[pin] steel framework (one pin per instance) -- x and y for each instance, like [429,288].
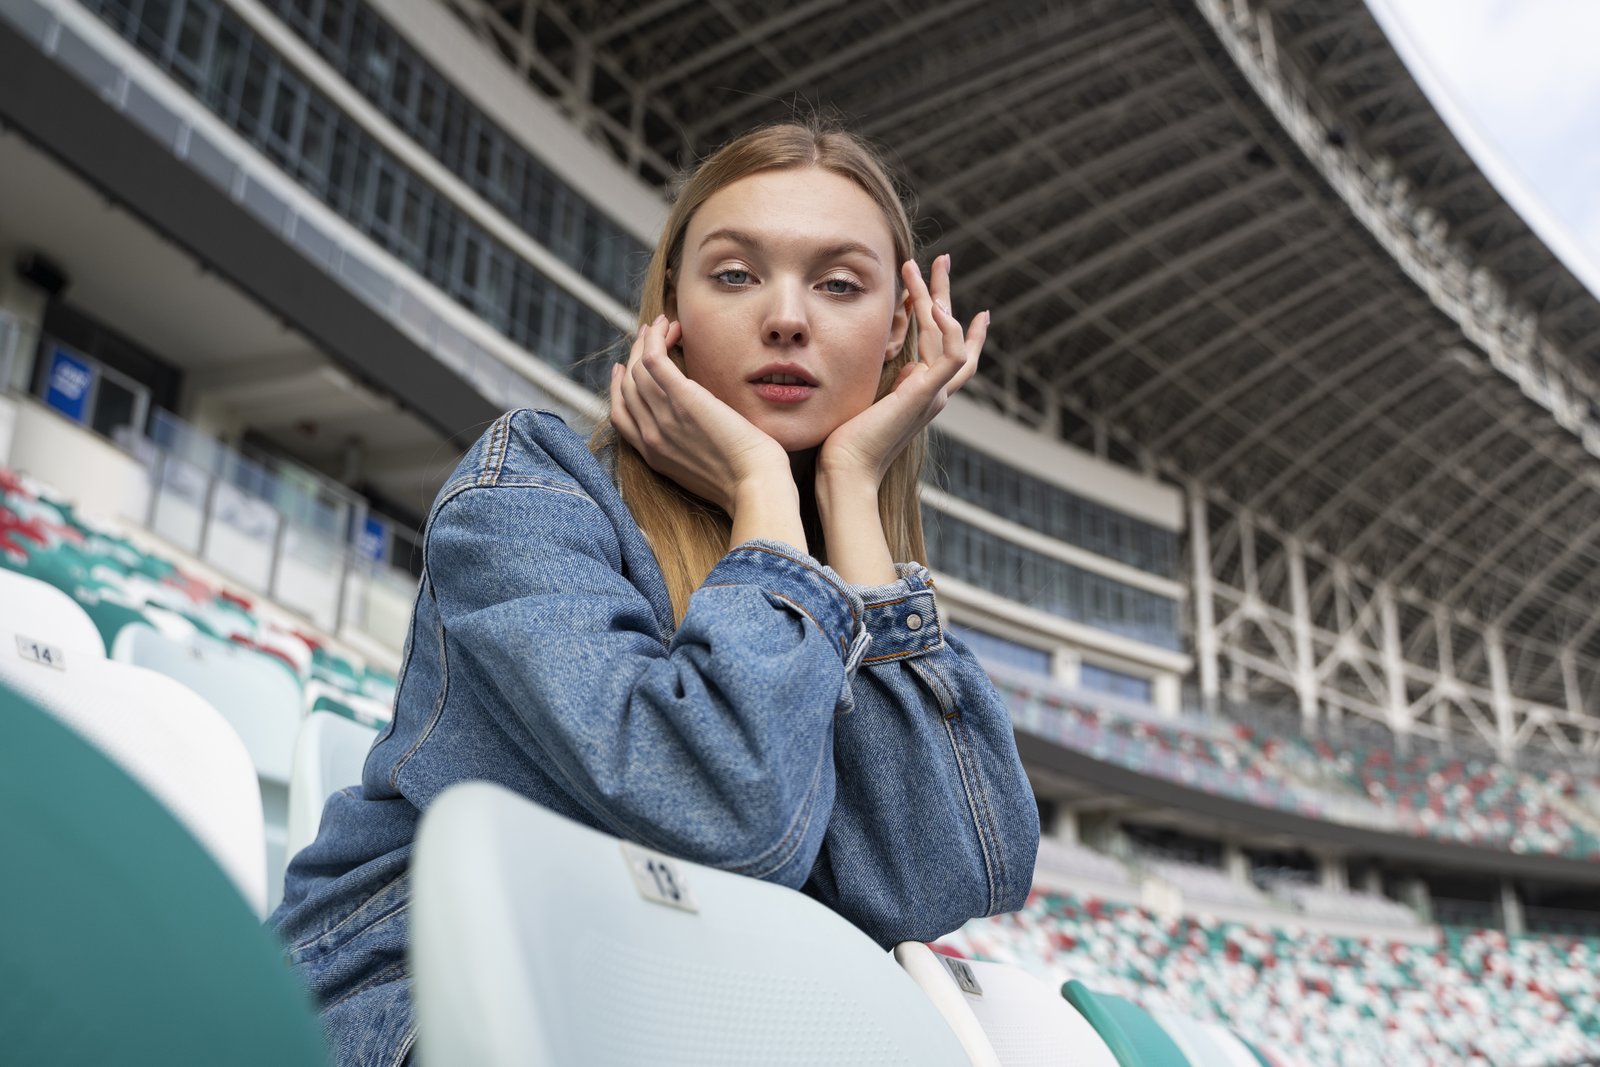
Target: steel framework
[1231,243]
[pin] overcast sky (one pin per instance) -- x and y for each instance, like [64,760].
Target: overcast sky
[1519,83]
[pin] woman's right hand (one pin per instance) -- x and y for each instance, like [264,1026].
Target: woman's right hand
[684,432]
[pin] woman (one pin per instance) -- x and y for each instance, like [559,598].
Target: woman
[696,634]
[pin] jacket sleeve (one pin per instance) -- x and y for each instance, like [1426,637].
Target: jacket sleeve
[934,822]
[715,745]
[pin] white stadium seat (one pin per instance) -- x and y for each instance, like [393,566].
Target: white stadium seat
[536,940]
[259,698]
[1003,1015]
[1206,1044]
[171,741]
[37,613]
[328,756]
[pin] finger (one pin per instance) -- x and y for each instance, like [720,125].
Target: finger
[625,426]
[939,285]
[976,335]
[930,341]
[656,372]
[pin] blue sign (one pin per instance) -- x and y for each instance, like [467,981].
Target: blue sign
[372,541]
[71,381]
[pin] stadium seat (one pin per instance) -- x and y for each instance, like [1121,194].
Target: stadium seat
[172,742]
[127,944]
[1205,1044]
[1003,1015]
[1128,1030]
[536,940]
[257,696]
[329,753]
[323,696]
[38,620]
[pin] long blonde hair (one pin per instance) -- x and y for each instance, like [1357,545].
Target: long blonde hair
[687,534]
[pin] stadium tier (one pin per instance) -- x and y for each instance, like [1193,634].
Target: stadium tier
[1473,997]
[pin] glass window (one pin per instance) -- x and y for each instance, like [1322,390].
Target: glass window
[992,648]
[1098,679]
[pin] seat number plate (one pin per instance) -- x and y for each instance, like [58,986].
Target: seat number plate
[962,974]
[658,878]
[39,652]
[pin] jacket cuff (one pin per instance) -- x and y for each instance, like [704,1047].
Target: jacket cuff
[902,617]
[808,586]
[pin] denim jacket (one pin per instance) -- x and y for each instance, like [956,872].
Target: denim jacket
[793,728]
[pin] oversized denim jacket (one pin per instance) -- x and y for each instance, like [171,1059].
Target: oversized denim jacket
[831,738]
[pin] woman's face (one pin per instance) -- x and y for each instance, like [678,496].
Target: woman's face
[787,294]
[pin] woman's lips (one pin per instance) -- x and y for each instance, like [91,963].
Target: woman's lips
[783,394]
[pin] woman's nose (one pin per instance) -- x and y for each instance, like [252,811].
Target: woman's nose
[786,319]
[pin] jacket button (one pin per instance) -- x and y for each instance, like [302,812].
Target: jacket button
[913,621]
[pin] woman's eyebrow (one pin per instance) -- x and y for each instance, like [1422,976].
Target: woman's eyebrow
[841,248]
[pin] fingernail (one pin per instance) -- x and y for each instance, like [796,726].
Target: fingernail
[659,320]
[986,316]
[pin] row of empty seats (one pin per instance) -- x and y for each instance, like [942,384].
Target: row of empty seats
[122,641]
[533,939]
[1470,800]
[1475,997]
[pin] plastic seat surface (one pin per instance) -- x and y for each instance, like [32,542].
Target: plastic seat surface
[257,696]
[533,941]
[1205,1044]
[1133,1036]
[172,742]
[36,611]
[1020,1021]
[136,950]
[329,754]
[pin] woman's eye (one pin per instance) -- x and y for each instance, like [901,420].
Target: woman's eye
[732,276]
[841,286]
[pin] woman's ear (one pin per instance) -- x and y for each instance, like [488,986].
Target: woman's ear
[897,329]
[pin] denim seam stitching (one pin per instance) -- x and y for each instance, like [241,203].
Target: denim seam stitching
[404,1050]
[438,708]
[384,975]
[534,481]
[936,681]
[802,563]
[310,942]
[492,457]
[797,828]
[772,592]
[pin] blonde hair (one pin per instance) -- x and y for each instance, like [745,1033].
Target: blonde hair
[687,534]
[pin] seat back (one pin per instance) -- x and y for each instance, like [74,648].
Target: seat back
[536,940]
[1129,1031]
[1002,1014]
[130,945]
[169,740]
[258,697]
[329,754]
[38,620]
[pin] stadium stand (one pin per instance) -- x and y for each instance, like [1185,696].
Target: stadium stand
[1472,800]
[1474,997]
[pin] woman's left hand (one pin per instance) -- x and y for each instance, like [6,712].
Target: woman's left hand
[866,445]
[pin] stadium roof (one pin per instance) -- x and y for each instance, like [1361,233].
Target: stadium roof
[1227,241]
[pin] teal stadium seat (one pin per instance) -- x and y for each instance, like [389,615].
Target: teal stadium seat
[536,940]
[1132,1034]
[126,944]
